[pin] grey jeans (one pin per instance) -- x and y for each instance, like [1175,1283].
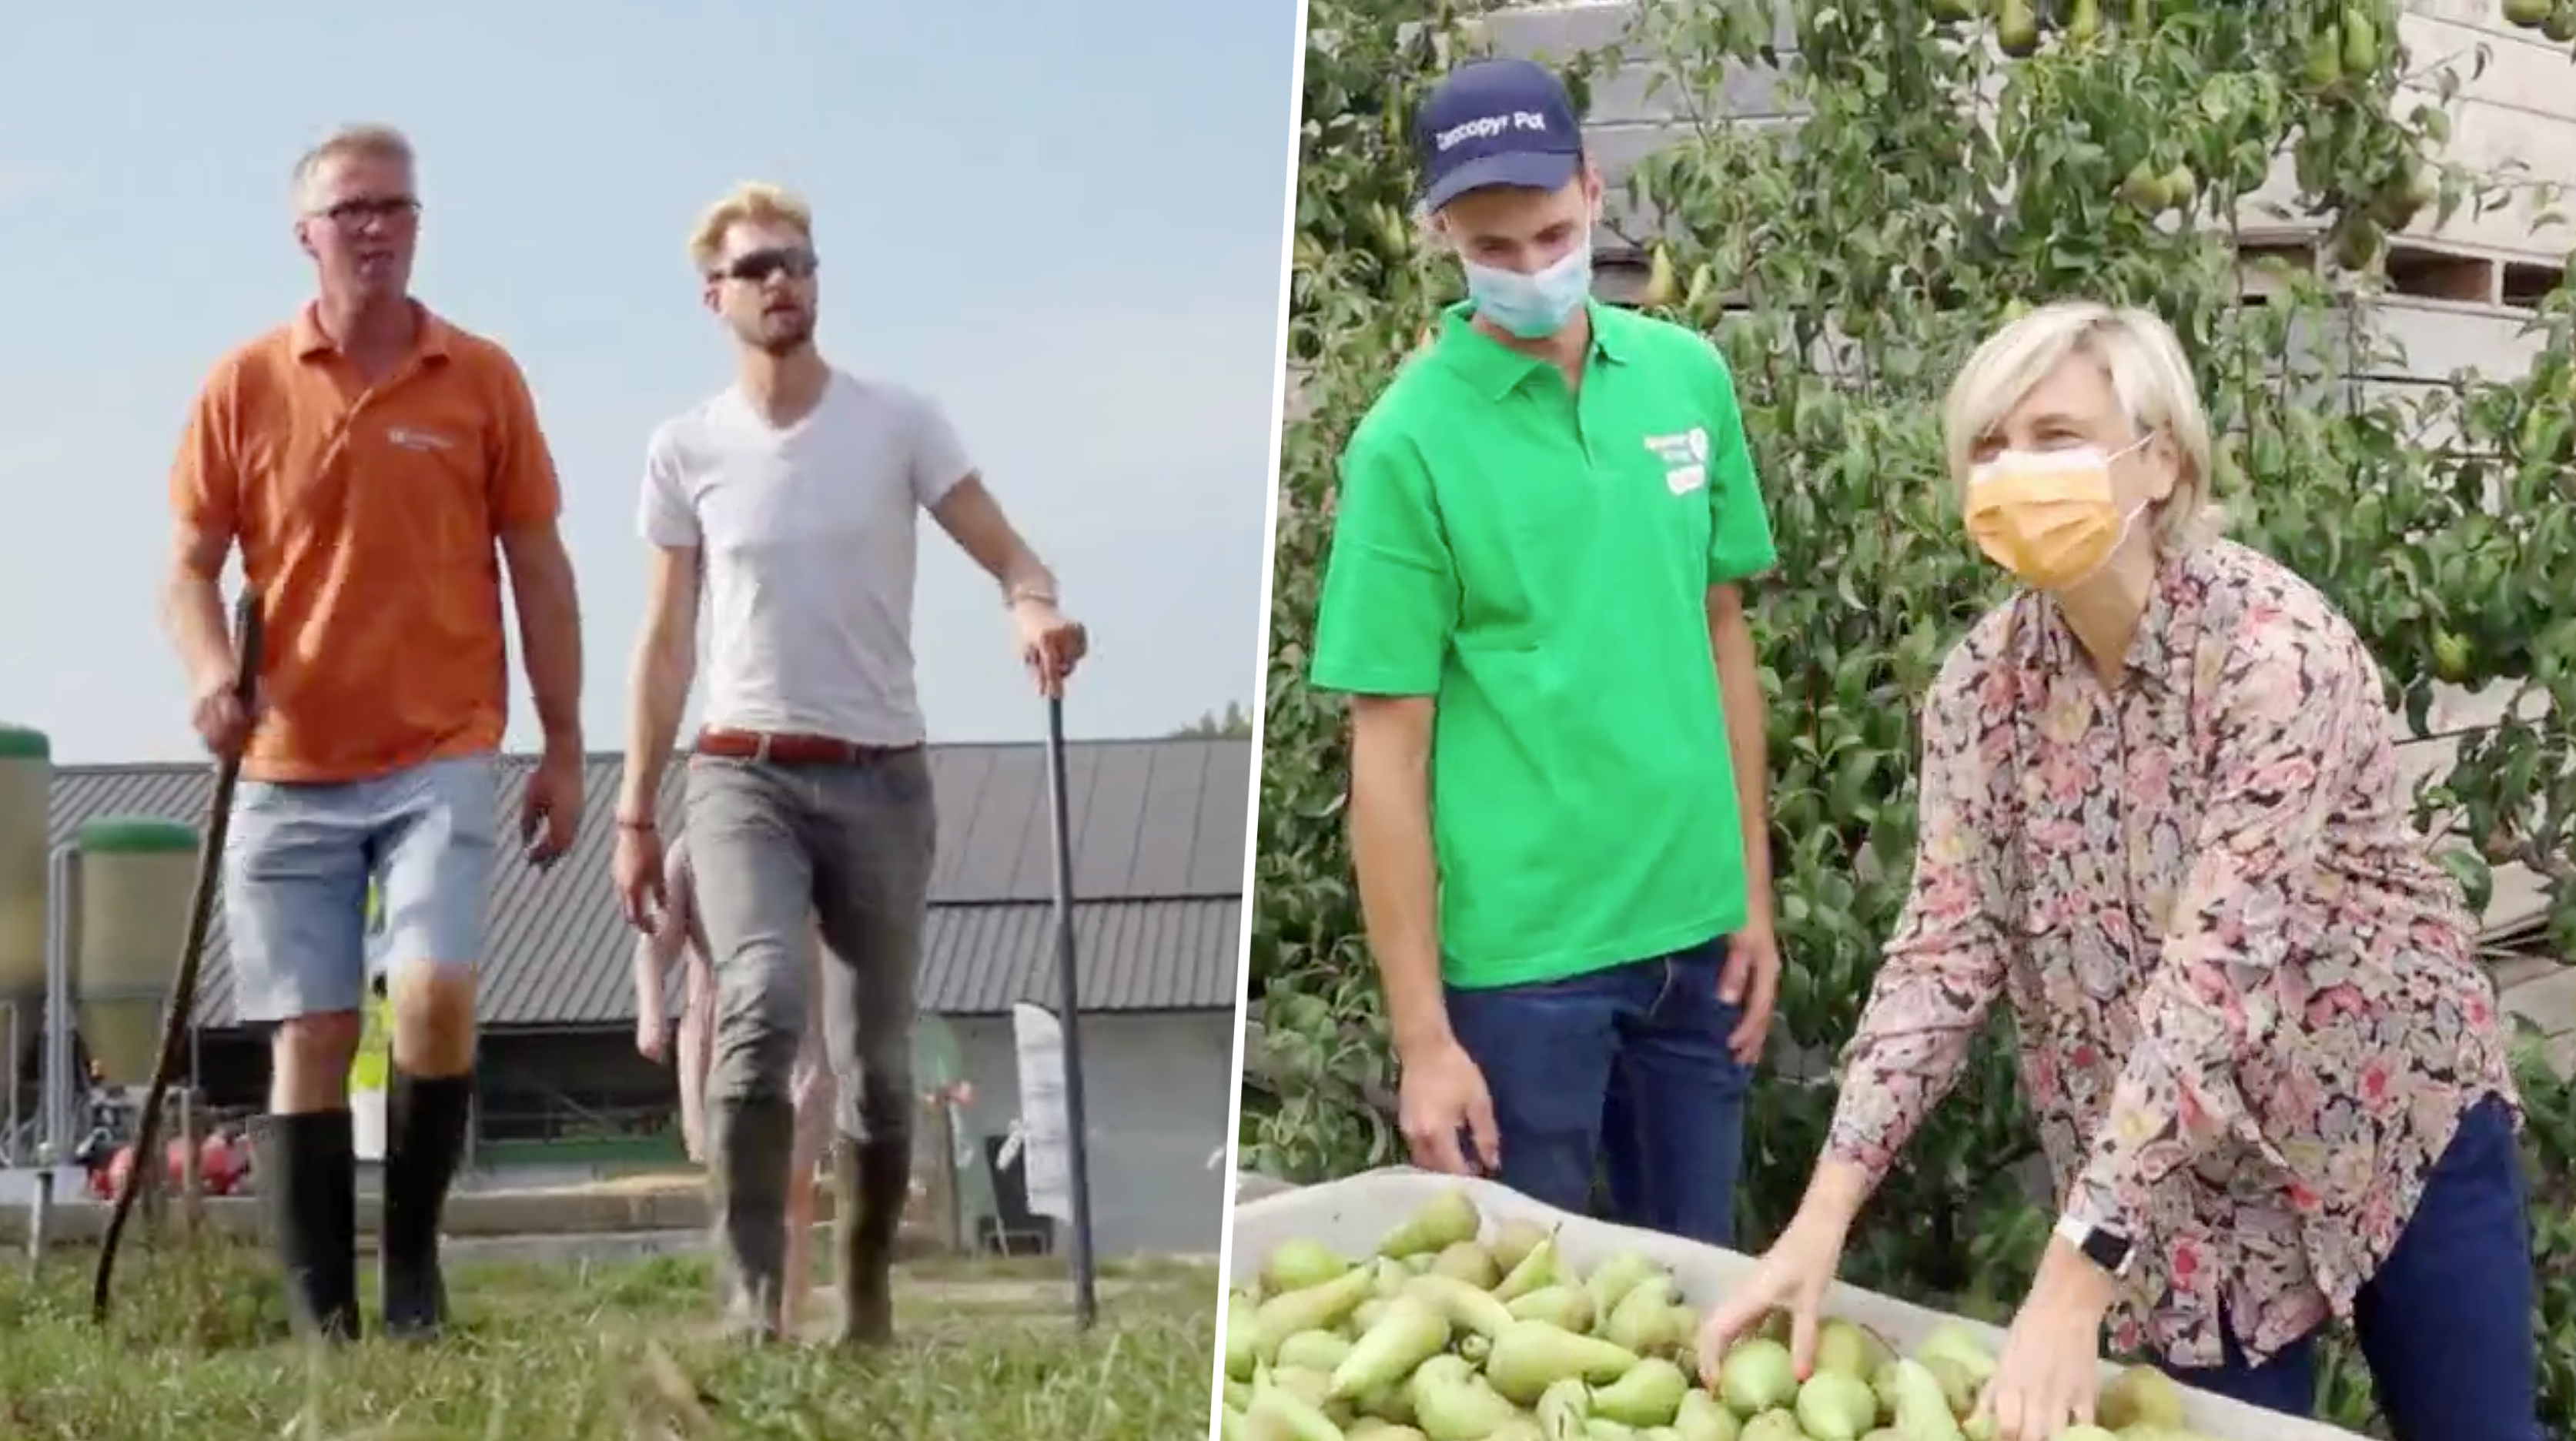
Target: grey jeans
[780,851]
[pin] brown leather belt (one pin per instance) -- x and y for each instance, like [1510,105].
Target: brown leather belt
[793,750]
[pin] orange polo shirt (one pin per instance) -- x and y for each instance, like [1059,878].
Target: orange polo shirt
[369,519]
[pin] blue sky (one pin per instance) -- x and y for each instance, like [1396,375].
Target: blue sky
[1062,220]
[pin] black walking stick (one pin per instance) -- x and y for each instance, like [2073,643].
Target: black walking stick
[183,986]
[1086,1285]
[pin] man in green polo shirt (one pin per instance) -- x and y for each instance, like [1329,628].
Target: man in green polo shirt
[1557,763]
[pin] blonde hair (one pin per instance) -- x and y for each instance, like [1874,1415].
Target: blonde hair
[2149,375]
[371,142]
[755,201]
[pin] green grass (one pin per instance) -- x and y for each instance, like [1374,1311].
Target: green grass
[196,1351]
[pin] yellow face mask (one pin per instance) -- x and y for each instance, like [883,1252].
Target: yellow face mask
[2049,516]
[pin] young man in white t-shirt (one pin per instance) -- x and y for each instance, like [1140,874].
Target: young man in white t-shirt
[792,499]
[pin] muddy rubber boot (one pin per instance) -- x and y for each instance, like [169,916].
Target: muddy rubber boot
[871,1181]
[313,1199]
[425,1136]
[752,1140]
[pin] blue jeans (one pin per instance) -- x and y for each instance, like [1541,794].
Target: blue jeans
[296,868]
[1624,1069]
[2445,1326]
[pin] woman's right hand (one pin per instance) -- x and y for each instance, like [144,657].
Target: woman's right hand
[1791,1277]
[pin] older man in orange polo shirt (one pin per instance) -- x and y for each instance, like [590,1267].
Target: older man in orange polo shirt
[376,466]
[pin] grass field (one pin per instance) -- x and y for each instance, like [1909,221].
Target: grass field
[196,1351]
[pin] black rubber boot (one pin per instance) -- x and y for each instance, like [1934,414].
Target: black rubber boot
[871,1182]
[313,1199]
[753,1140]
[425,1120]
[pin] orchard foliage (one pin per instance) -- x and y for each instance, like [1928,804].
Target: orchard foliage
[1846,264]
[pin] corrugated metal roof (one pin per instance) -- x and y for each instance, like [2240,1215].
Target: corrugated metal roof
[1158,830]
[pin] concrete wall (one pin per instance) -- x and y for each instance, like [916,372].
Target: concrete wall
[1159,1089]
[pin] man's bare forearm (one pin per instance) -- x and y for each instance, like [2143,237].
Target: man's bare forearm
[1739,678]
[192,611]
[665,666]
[541,581]
[1392,852]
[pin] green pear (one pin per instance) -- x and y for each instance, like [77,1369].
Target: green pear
[1370,1428]
[1602,1428]
[2140,1397]
[1958,1383]
[1530,1356]
[1468,1262]
[1391,1405]
[1307,1384]
[1836,1406]
[1312,1351]
[1439,1223]
[1299,1262]
[1701,1418]
[1916,1406]
[1242,1336]
[1756,1375]
[1612,1280]
[1514,1239]
[1278,1411]
[1564,1306]
[1853,1350]
[1411,1332]
[1469,1308]
[1649,1395]
[1771,1426]
[1452,1403]
[1564,1411]
[1645,1319]
[1537,1269]
[1387,1276]
[1315,1308]
[1961,1345]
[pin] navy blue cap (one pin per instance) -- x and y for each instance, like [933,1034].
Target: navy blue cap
[1496,122]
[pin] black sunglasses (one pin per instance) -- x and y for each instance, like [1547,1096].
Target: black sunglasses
[758,265]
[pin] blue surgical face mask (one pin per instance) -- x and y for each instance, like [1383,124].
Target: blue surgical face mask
[1533,306]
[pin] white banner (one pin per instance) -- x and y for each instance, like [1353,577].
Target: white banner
[1046,1168]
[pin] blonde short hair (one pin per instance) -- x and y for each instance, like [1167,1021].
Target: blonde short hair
[372,142]
[2149,374]
[756,201]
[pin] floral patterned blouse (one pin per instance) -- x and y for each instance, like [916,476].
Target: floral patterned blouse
[2249,1006]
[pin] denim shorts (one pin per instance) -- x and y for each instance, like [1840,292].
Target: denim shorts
[296,868]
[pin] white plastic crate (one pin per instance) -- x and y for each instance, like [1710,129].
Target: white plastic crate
[1354,1214]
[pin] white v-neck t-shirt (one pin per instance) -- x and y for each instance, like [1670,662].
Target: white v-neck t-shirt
[809,536]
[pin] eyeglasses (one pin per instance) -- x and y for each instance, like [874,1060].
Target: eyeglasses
[758,265]
[362,209]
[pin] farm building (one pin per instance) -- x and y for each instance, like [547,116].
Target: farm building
[1158,833]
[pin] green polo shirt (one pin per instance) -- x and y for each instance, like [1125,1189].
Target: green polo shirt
[1538,562]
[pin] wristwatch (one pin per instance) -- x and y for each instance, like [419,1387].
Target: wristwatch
[2103,1247]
